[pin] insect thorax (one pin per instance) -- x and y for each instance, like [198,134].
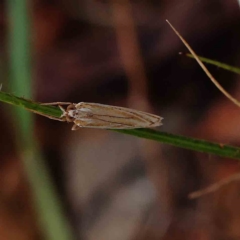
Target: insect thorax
[78,114]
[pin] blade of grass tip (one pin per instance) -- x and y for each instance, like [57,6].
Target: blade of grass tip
[51,111]
[215,82]
[48,206]
[217,64]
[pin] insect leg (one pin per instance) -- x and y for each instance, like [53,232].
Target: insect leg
[75,127]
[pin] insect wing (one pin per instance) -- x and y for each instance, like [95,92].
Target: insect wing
[94,115]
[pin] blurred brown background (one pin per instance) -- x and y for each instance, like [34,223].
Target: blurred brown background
[122,52]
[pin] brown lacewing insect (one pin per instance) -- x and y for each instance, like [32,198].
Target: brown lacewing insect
[95,115]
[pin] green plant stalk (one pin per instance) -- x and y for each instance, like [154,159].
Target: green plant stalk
[48,206]
[175,140]
[186,142]
[20,74]
[30,105]
[218,64]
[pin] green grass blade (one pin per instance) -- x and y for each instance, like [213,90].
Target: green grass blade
[20,73]
[175,140]
[216,63]
[186,142]
[53,222]
[28,104]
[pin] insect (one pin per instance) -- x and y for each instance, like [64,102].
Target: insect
[95,115]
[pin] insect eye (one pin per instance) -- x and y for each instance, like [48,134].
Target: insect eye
[71,107]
